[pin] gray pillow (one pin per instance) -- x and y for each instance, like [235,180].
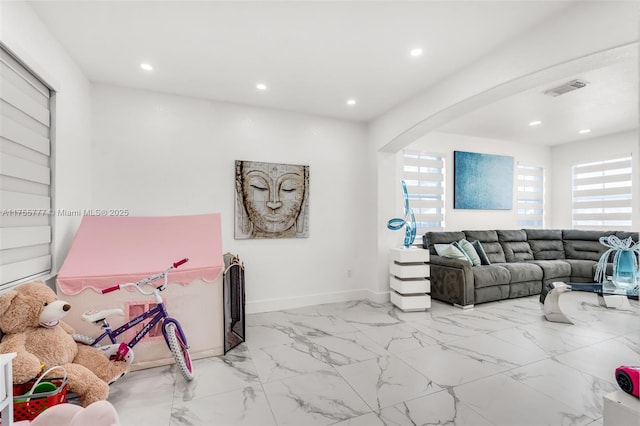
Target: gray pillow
[484,259]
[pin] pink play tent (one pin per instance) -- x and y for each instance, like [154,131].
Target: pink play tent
[107,251]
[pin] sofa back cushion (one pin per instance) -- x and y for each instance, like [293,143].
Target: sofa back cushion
[546,244]
[490,244]
[625,234]
[515,246]
[431,238]
[584,245]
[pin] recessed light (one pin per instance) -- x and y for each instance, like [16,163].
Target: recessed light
[146,67]
[351,102]
[583,131]
[416,52]
[535,123]
[261,86]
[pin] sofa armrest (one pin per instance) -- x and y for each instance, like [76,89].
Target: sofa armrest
[451,280]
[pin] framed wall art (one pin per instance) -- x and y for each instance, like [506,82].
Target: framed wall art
[482,181]
[272,200]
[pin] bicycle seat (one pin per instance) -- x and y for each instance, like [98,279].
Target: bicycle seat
[96,316]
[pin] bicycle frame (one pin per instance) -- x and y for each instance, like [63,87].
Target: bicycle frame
[159,312]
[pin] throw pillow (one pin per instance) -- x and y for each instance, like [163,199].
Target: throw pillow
[470,251]
[484,259]
[450,251]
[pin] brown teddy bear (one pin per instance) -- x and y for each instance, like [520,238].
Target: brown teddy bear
[30,321]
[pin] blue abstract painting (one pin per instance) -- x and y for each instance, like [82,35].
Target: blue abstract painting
[482,181]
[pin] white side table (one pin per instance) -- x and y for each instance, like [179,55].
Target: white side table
[6,388]
[409,278]
[621,409]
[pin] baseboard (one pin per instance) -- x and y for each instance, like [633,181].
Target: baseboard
[277,304]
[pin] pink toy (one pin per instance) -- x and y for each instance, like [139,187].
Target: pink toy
[628,377]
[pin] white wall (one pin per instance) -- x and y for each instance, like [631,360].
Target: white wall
[586,151]
[24,34]
[158,154]
[461,219]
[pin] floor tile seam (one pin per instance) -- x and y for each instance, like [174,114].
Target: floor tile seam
[451,391]
[525,348]
[266,397]
[373,410]
[578,409]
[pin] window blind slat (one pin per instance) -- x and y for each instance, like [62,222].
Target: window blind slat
[433,177]
[603,204]
[23,169]
[623,163]
[423,162]
[623,177]
[17,68]
[422,204]
[18,99]
[16,132]
[602,216]
[15,200]
[27,268]
[601,192]
[24,236]
[425,190]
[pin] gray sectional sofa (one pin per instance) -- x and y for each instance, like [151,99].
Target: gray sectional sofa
[522,263]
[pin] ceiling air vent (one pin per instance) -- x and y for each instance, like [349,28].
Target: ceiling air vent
[566,88]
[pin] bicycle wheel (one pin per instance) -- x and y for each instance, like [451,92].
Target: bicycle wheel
[178,346]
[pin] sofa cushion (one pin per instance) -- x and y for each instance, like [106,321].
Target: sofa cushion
[484,260]
[582,269]
[546,244]
[554,269]
[523,272]
[431,238]
[515,246]
[490,275]
[584,244]
[490,243]
[512,235]
[625,234]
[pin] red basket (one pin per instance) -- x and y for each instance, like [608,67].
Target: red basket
[27,407]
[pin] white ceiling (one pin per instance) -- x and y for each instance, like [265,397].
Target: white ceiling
[314,55]
[608,104]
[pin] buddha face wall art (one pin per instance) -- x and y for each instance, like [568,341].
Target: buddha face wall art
[272,200]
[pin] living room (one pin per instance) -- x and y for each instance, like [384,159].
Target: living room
[129,145]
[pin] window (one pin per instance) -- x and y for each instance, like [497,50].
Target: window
[25,173]
[530,196]
[602,194]
[424,177]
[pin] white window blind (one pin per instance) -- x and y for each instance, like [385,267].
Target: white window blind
[424,176]
[530,196]
[25,173]
[602,194]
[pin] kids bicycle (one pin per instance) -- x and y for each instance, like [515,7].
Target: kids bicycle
[171,329]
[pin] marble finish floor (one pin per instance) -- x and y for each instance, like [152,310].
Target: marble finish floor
[367,364]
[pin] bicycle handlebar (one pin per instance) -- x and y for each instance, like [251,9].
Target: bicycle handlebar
[147,280]
[180,262]
[110,289]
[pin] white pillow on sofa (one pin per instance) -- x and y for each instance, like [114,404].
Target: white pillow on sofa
[470,251]
[451,251]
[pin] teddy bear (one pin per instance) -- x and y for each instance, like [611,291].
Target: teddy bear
[30,321]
